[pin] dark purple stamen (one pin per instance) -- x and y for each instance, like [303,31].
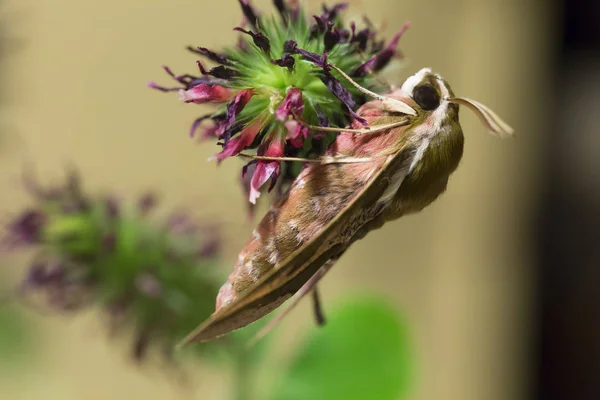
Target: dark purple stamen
[196,124]
[383,58]
[331,14]
[274,178]
[228,131]
[287,60]
[344,35]
[317,59]
[211,55]
[360,38]
[339,91]
[319,27]
[289,46]
[249,12]
[234,107]
[246,167]
[153,85]
[328,15]
[220,72]
[188,81]
[364,68]
[332,37]
[260,40]
[282,9]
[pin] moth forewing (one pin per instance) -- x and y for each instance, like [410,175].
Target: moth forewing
[289,275]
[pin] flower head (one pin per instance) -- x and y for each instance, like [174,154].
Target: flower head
[278,80]
[155,279]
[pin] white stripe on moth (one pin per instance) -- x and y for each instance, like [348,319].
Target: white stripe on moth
[394,185]
[409,85]
[438,116]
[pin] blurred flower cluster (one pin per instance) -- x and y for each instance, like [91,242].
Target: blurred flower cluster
[155,279]
[277,81]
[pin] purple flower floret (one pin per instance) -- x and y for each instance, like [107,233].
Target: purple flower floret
[156,280]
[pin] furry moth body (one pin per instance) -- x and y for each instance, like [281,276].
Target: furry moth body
[330,205]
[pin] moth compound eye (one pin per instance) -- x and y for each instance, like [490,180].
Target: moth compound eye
[426,97]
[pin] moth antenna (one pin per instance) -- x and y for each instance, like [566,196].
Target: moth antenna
[489,118]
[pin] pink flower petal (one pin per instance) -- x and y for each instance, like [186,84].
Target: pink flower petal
[296,133]
[243,140]
[292,104]
[234,107]
[263,172]
[266,169]
[204,93]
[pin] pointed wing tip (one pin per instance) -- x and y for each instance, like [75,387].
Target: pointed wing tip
[193,337]
[199,335]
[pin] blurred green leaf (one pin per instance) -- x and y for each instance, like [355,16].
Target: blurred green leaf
[14,338]
[362,353]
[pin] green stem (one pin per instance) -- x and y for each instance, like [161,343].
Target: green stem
[242,378]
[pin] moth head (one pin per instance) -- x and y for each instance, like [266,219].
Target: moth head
[428,97]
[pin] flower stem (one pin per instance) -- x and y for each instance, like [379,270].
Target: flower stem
[242,378]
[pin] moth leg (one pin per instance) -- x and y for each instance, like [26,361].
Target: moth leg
[321,160]
[362,131]
[317,309]
[309,286]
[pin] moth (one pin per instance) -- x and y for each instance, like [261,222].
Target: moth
[397,165]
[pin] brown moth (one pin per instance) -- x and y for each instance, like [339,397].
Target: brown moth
[396,166]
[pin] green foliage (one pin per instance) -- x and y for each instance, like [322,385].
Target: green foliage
[361,353]
[14,337]
[156,279]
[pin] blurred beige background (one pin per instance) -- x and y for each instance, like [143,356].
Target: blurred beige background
[460,271]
